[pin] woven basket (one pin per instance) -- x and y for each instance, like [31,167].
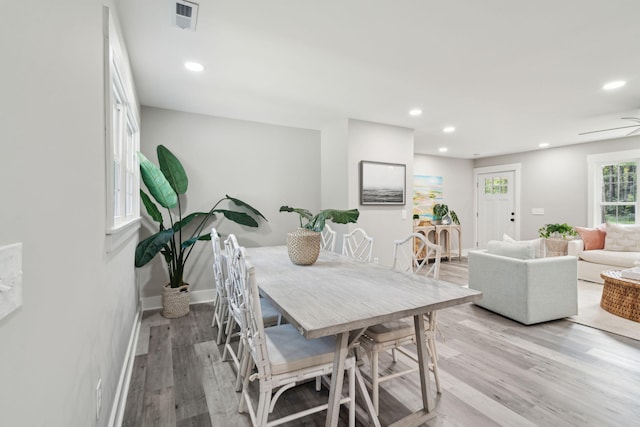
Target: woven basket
[303,246]
[175,301]
[555,247]
[620,296]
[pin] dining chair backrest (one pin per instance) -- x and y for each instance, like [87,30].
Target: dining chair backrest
[219,264]
[234,279]
[255,324]
[358,244]
[412,254]
[328,238]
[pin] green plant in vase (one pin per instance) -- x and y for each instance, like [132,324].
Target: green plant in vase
[303,245]
[441,210]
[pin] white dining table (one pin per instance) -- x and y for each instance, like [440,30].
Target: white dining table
[340,296]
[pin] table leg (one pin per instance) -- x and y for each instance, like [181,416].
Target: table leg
[423,363]
[337,378]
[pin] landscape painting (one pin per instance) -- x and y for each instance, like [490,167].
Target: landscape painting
[427,191]
[382,183]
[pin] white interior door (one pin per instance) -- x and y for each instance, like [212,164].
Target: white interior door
[496,206]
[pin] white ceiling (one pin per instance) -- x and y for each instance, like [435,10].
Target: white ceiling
[508,74]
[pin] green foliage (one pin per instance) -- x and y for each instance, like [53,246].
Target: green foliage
[316,222]
[441,210]
[562,230]
[166,183]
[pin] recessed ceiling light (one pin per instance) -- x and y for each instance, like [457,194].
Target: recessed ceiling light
[614,85]
[443,149]
[194,66]
[449,129]
[415,112]
[543,144]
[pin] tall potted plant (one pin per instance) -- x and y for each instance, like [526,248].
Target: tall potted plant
[303,245]
[176,240]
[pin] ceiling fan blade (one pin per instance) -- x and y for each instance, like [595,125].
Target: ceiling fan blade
[633,132]
[635,119]
[604,130]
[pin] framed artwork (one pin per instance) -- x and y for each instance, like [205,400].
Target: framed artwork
[427,191]
[382,183]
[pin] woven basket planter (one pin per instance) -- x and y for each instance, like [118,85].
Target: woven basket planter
[175,301]
[555,247]
[303,246]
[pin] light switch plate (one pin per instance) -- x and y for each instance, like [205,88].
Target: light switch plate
[10,278]
[537,211]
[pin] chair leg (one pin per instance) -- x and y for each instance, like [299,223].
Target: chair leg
[223,312]
[375,381]
[262,414]
[231,322]
[243,370]
[433,350]
[352,396]
[431,346]
[245,386]
[216,305]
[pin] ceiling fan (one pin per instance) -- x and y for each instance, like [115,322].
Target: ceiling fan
[633,119]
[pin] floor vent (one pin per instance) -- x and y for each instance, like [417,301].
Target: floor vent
[185,14]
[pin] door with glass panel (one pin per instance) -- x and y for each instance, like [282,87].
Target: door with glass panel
[496,206]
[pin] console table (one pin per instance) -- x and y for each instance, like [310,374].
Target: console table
[442,236]
[620,296]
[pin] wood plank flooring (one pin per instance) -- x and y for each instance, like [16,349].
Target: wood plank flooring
[494,372]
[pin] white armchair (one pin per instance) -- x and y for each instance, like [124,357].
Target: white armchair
[526,290]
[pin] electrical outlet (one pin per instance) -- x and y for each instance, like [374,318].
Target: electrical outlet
[10,278]
[98,398]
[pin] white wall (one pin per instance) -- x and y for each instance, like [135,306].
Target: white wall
[380,143]
[457,180]
[79,302]
[556,179]
[264,165]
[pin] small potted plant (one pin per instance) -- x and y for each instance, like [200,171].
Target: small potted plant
[556,238]
[416,220]
[303,245]
[443,215]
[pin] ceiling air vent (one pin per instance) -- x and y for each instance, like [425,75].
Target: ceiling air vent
[185,14]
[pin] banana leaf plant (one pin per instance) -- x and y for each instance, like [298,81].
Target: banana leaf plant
[316,222]
[166,184]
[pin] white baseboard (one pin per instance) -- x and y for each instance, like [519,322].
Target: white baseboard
[155,302]
[120,398]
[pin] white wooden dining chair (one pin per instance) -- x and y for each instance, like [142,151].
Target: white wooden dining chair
[412,254]
[395,335]
[358,244]
[221,304]
[284,358]
[328,238]
[236,325]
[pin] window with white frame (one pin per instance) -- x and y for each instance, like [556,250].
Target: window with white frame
[122,137]
[614,187]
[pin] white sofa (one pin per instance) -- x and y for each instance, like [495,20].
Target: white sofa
[592,262]
[526,290]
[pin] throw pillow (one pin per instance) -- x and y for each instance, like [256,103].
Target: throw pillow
[520,250]
[622,238]
[538,243]
[593,238]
